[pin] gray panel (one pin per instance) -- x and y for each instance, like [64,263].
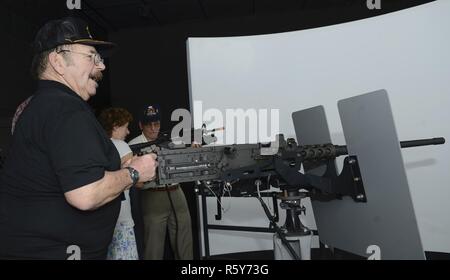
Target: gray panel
[311,127]
[387,219]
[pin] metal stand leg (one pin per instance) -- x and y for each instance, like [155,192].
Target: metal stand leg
[298,236]
[301,245]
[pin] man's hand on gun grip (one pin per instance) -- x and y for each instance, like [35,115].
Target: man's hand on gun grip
[146,166]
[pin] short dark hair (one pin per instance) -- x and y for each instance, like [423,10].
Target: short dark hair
[39,64]
[112,117]
[40,61]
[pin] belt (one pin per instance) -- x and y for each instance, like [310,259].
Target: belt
[161,189]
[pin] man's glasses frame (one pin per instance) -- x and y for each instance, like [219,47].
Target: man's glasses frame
[96,57]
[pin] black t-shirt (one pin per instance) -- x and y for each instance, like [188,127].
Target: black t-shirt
[57,146]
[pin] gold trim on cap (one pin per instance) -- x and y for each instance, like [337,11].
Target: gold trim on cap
[88,40]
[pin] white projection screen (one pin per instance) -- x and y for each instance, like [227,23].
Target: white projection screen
[406,53]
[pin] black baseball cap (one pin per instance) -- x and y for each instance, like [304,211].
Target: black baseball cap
[150,114]
[66,31]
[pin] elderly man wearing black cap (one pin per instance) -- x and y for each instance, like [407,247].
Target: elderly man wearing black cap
[61,185]
[165,207]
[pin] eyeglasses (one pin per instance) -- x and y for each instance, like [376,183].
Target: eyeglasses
[94,56]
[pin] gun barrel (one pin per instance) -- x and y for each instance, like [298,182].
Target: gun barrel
[422,142]
[342,150]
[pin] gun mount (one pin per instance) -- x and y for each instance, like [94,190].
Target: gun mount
[281,166]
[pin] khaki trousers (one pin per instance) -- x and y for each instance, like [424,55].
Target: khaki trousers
[158,217]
